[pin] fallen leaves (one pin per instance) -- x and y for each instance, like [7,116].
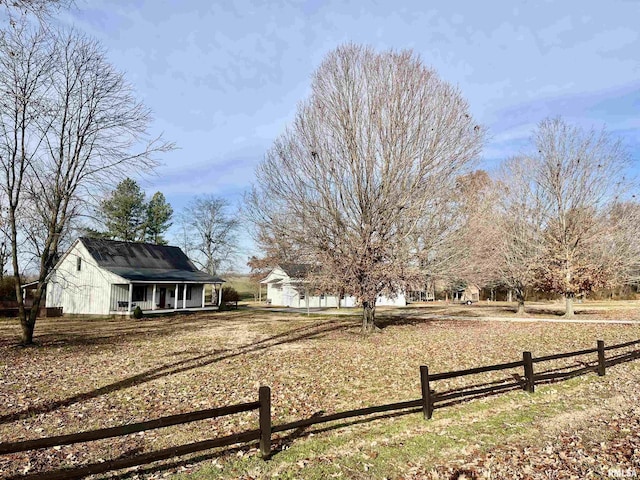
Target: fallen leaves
[93,374]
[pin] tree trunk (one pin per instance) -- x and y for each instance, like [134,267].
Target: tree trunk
[25,322]
[368,316]
[568,312]
[520,299]
[27,330]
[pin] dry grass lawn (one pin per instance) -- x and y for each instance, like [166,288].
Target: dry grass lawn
[92,373]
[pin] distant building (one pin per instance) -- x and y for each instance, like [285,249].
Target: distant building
[287,286]
[102,277]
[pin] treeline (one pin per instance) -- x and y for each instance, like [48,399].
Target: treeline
[560,218]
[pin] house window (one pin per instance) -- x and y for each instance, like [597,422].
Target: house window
[172,293]
[78,264]
[139,293]
[188,293]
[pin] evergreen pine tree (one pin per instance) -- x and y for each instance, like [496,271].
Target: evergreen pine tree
[124,212]
[159,214]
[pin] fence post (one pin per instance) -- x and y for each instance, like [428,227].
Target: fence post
[427,404]
[529,384]
[264,396]
[601,359]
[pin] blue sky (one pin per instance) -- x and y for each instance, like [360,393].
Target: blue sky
[224,78]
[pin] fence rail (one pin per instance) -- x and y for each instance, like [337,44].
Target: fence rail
[558,356]
[103,433]
[429,400]
[473,371]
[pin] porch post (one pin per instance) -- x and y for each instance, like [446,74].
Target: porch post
[130,298]
[219,295]
[184,296]
[203,288]
[153,298]
[175,303]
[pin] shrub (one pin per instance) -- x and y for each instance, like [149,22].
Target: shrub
[8,288]
[229,294]
[137,312]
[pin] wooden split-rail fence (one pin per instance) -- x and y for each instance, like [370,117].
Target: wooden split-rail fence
[429,400]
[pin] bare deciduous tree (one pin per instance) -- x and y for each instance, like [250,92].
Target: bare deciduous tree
[209,233]
[37,7]
[475,241]
[577,176]
[24,81]
[72,126]
[619,245]
[368,161]
[42,10]
[519,225]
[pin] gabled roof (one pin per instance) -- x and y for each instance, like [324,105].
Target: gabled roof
[145,261]
[296,270]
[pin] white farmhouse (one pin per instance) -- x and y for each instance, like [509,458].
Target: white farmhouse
[287,286]
[102,277]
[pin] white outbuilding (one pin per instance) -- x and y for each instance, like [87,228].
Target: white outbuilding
[288,286]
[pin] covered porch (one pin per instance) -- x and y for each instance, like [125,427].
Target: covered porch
[159,297]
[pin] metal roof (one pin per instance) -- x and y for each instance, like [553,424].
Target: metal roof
[296,270]
[145,261]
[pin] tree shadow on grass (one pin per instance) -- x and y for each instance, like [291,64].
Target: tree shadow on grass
[560,312]
[303,333]
[386,322]
[282,443]
[417,318]
[61,332]
[162,465]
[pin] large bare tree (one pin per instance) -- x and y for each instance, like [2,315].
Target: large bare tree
[578,177]
[209,233]
[371,156]
[72,126]
[25,64]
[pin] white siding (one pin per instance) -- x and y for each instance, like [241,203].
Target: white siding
[196,296]
[282,292]
[84,291]
[120,295]
[349,301]
[398,301]
[276,291]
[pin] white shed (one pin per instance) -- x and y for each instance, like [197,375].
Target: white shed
[102,277]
